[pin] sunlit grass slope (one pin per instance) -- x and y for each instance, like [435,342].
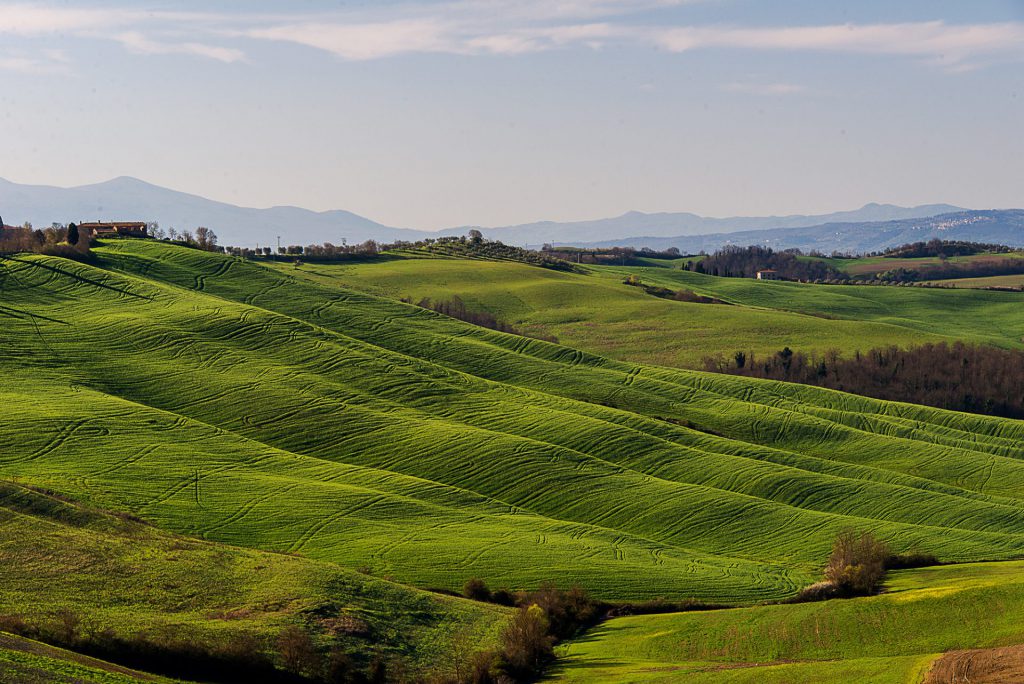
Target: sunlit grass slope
[597,312]
[975,316]
[119,575]
[24,661]
[891,638]
[1016,280]
[872,265]
[220,398]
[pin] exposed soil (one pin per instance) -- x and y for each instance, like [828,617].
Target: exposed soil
[980,666]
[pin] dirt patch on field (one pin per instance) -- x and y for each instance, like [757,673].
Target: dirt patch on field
[980,666]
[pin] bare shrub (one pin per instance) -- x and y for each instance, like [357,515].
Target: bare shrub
[298,652]
[857,563]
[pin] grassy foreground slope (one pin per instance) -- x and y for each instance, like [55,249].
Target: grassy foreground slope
[890,639]
[25,661]
[124,578]
[595,311]
[220,398]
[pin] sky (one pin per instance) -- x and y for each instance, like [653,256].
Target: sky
[431,114]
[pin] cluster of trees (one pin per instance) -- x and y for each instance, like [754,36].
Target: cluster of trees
[57,240]
[544,617]
[456,308]
[958,376]
[612,256]
[943,249]
[682,295]
[475,246]
[202,238]
[745,262]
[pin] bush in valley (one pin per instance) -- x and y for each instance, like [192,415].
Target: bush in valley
[456,308]
[856,566]
[660,606]
[958,376]
[543,618]
[912,559]
[665,293]
[611,256]
[476,589]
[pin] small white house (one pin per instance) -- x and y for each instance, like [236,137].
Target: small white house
[767,274]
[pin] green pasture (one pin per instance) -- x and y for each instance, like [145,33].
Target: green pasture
[24,661]
[891,638]
[1015,280]
[870,265]
[121,576]
[226,400]
[596,312]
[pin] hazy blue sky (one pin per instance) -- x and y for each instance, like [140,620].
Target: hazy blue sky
[431,114]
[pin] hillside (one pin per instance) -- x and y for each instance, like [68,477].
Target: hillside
[596,312]
[893,638]
[263,411]
[121,581]
[27,661]
[254,408]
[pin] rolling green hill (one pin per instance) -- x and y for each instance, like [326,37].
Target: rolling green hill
[892,638]
[24,661]
[283,412]
[219,398]
[119,577]
[597,312]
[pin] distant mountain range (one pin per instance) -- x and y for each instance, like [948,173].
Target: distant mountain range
[865,229]
[1001,226]
[676,224]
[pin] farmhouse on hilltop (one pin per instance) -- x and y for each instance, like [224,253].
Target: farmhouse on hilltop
[767,274]
[114,229]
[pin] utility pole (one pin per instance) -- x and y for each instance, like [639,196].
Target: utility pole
[278,248]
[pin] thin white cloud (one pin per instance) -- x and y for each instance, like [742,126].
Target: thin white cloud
[120,25]
[365,40]
[753,88]
[33,20]
[142,44]
[934,41]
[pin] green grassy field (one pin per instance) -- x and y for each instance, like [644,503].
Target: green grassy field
[265,408]
[127,578]
[597,313]
[24,661]
[989,281]
[871,265]
[889,639]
